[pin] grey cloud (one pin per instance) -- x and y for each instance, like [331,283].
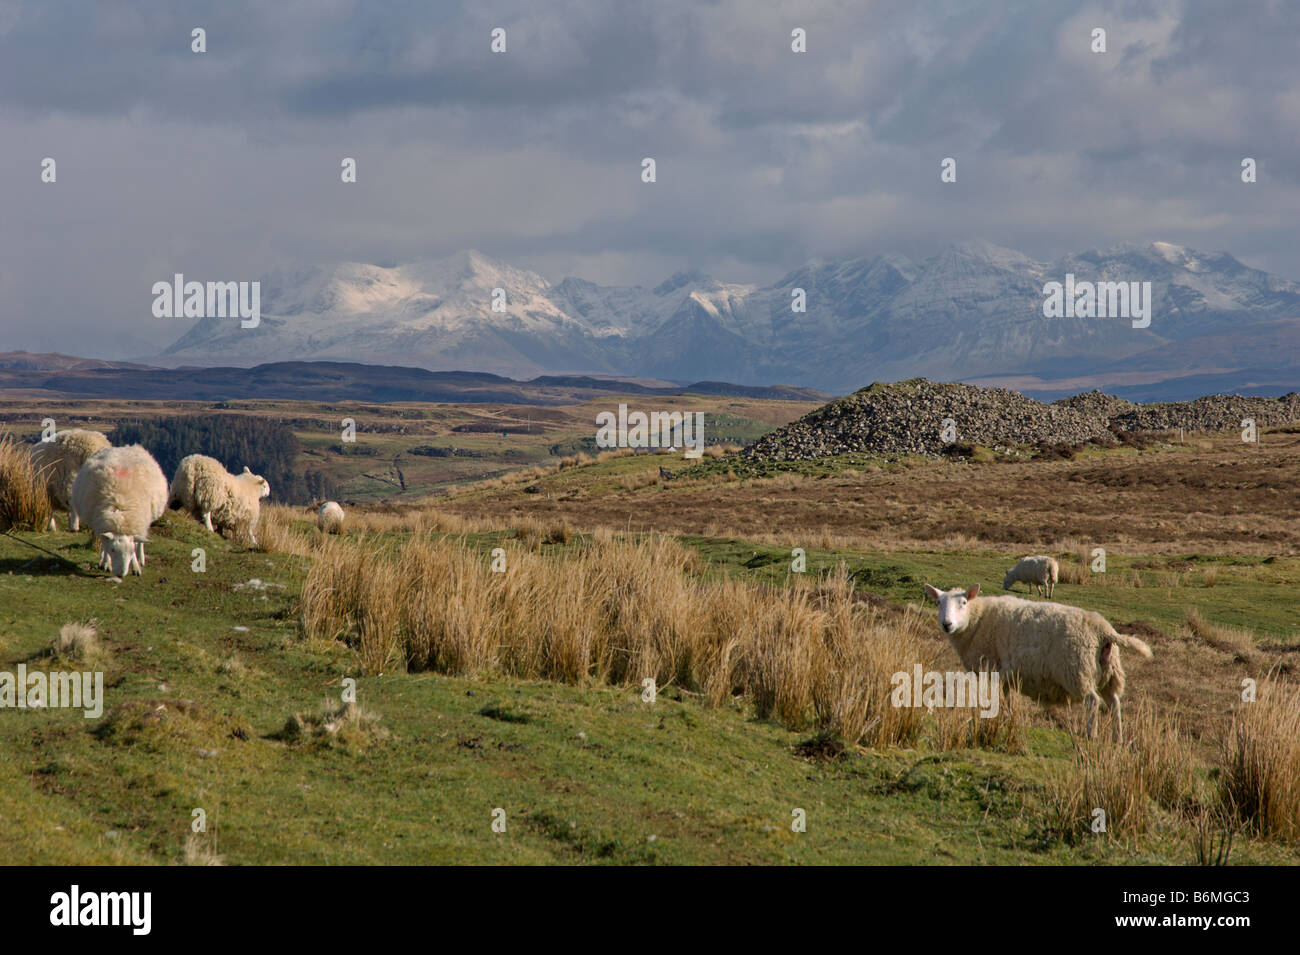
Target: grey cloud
[227,163]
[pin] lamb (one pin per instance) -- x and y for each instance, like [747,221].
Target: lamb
[1059,654]
[203,487]
[330,518]
[1039,572]
[58,461]
[119,492]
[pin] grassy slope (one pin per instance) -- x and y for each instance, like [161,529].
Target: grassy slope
[710,786]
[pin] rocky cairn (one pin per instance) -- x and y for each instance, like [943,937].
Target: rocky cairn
[907,417]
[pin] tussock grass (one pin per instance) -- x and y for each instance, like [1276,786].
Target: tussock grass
[1074,573]
[1006,732]
[635,482]
[78,641]
[1212,832]
[346,724]
[534,532]
[279,532]
[1260,781]
[411,518]
[1130,783]
[1235,640]
[24,503]
[618,612]
[201,849]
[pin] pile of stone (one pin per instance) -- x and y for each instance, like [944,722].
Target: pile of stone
[928,418]
[1212,413]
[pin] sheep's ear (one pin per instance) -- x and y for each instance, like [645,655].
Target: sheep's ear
[246,471]
[108,536]
[932,592]
[973,592]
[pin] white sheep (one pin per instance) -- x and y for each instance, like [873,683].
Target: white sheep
[119,492]
[330,518]
[203,487]
[1058,653]
[58,461]
[1040,573]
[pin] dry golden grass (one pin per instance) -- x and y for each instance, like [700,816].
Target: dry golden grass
[1163,750]
[1074,573]
[619,612]
[634,482]
[78,641]
[288,529]
[24,504]
[1006,732]
[576,461]
[1260,781]
[1130,783]
[280,531]
[530,531]
[1235,640]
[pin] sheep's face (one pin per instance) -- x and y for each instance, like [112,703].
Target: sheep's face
[119,552]
[953,606]
[1008,580]
[263,488]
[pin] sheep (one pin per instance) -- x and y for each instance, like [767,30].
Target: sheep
[1058,653]
[1039,572]
[58,461]
[330,518]
[119,492]
[203,487]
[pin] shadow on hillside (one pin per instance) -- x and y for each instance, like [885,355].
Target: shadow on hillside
[41,565]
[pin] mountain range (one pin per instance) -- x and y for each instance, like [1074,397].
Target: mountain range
[973,312]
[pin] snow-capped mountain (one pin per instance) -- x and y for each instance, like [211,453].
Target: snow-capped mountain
[974,310]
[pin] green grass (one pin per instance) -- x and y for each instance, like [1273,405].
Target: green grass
[584,774]
[1245,594]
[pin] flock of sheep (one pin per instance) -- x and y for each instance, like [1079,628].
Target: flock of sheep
[1056,653]
[120,492]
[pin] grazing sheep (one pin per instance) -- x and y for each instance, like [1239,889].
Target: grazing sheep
[119,492]
[330,518]
[1039,572]
[1059,654]
[203,487]
[59,460]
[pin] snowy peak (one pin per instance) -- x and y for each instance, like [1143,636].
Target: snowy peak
[972,309]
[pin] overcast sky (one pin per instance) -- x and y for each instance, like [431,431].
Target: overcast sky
[225,164]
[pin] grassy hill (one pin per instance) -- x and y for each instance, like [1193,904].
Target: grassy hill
[221,696]
[203,670]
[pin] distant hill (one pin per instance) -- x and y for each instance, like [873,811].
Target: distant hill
[22,372]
